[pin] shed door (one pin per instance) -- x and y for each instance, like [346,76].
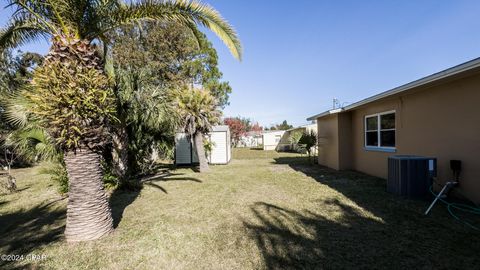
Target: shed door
[182,149]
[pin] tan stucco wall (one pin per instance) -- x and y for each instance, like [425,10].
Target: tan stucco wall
[345,151]
[328,141]
[442,121]
[372,162]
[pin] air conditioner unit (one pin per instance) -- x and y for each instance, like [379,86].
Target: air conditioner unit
[410,176]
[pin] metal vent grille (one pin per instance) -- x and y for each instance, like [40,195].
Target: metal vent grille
[410,176]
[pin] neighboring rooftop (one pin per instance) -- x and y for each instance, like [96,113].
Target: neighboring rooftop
[220,128]
[445,74]
[302,126]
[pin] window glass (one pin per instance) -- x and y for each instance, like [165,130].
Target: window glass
[380,130]
[387,138]
[372,123]
[387,121]
[372,138]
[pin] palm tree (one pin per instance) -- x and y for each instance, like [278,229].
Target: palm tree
[199,111]
[71,94]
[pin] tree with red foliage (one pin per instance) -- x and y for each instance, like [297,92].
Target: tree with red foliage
[256,127]
[237,128]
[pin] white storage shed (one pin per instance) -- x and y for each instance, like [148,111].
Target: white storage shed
[221,153]
[271,139]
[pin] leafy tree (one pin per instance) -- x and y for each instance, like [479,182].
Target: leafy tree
[74,68]
[256,127]
[237,128]
[247,122]
[198,109]
[7,62]
[309,140]
[284,126]
[14,73]
[25,140]
[170,56]
[149,119]
[149,60]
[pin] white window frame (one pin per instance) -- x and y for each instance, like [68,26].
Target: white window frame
[379,130]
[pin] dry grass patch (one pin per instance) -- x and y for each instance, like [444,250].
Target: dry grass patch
[265,210]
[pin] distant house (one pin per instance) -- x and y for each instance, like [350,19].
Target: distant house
[271,139]
[251,139]
[285,143]
[436,116]
[185,153]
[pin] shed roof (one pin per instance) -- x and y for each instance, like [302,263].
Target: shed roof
[272,131]
[444,74]
[220,128]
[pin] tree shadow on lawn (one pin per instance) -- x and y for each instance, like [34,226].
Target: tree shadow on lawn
[24,231]
[375,230]
[121,199]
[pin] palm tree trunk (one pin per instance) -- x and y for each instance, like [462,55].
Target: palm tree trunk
[88,214]
[202,158]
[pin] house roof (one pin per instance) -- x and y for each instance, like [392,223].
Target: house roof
[254,133]
[445,74]
[302,126]
[220,128]
[273,131]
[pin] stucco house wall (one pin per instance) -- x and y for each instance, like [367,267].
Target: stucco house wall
[328,154]
[440,120]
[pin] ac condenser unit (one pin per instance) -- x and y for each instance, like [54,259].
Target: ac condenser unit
[410,176]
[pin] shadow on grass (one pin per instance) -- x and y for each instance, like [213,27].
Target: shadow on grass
[24,232]
[121,199]
[366,229]
[168,176]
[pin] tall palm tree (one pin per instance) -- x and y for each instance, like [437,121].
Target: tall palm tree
[199,112]
[77,114]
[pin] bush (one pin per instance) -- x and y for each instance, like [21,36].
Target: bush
[58,173]
[309,140]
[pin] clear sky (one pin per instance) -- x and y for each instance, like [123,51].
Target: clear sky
[299,55]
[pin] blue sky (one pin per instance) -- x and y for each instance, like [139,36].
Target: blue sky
[299,55]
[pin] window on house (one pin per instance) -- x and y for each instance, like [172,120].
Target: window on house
[277,138]
[380,130]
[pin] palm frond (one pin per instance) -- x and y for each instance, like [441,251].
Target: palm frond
[15,110]
[186,12]
[32,143]
[199,110]
[20,32]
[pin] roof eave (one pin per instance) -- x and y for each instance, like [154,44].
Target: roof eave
[334,111]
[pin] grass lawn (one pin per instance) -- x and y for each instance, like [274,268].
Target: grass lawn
[265,210]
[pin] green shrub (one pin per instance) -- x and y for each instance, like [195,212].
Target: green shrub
[110,180]
[58,174]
